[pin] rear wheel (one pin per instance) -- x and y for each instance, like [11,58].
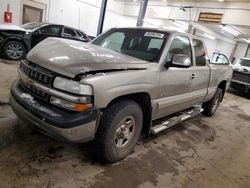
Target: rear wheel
[210,107]
[14,50]
[119,130]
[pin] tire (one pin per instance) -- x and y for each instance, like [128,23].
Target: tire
[14,50]
[210,107]
[121,121]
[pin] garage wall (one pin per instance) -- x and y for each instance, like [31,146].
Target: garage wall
[64,11]
[218,46]
[81,14]
[225,48]
[241,50]
[115,16]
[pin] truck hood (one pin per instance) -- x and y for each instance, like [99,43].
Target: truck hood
[71,58]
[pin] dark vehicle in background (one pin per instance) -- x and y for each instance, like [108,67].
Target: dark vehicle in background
[241,75]
[16,41]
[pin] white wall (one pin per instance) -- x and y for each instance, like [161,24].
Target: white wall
[218,46]
[241,50]
[64,12]
[82,14]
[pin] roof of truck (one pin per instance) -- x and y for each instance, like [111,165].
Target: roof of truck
[156,29]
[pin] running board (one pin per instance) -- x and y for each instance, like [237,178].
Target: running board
[176,119]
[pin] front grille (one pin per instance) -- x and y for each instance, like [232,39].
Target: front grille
[37,73]
[241,77]
[38,92]
[35,91]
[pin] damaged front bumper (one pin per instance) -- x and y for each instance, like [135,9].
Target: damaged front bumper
[55,122]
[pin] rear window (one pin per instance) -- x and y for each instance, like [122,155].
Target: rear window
[200,52]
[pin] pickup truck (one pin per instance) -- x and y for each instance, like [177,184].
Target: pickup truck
[241,75]
[126,83]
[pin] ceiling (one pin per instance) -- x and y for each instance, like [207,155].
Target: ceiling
[231,1]
[196,1]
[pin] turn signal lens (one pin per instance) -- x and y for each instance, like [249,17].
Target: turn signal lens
[82,107]
[69,105]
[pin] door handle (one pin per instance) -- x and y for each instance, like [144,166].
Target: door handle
[193,76]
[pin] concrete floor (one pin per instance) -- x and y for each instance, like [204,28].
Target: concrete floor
[201,152]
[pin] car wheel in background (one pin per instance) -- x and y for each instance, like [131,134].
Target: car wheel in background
[14,50]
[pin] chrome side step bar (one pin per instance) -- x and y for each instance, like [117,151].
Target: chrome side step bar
[182,116]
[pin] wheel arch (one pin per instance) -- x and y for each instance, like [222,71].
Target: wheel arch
[222,85]
[14,39]
[143,99]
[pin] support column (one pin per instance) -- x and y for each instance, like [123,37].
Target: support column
[142,12]
[102,16]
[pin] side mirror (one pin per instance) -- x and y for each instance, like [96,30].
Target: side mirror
[180,60]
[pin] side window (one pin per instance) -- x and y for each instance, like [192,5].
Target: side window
[180,45]
[200,53]
[69,32]
[220,59]
[51,29]
[114,41]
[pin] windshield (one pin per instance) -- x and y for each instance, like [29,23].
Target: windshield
[244,62]
[31,26]
[138,43]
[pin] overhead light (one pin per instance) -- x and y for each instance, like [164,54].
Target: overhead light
[221,0]
[208,36]
[231,30]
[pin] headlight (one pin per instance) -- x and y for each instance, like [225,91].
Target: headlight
[72,86]
[69,105]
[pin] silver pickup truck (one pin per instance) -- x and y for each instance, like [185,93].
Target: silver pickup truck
[127,83]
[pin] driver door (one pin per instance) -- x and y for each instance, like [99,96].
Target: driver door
[175,82]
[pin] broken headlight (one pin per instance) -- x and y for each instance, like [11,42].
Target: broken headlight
[72,86]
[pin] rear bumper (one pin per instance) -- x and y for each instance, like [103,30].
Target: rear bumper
[59,124]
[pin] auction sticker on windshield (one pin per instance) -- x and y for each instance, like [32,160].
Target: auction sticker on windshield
[154,34]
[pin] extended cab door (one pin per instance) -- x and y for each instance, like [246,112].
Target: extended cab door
[175,93]
[200,72]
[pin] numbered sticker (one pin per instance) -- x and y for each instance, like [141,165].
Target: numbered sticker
[153,34]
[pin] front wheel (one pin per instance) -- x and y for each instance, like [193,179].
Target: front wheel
[120,129]
[14,50]
[210,107]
